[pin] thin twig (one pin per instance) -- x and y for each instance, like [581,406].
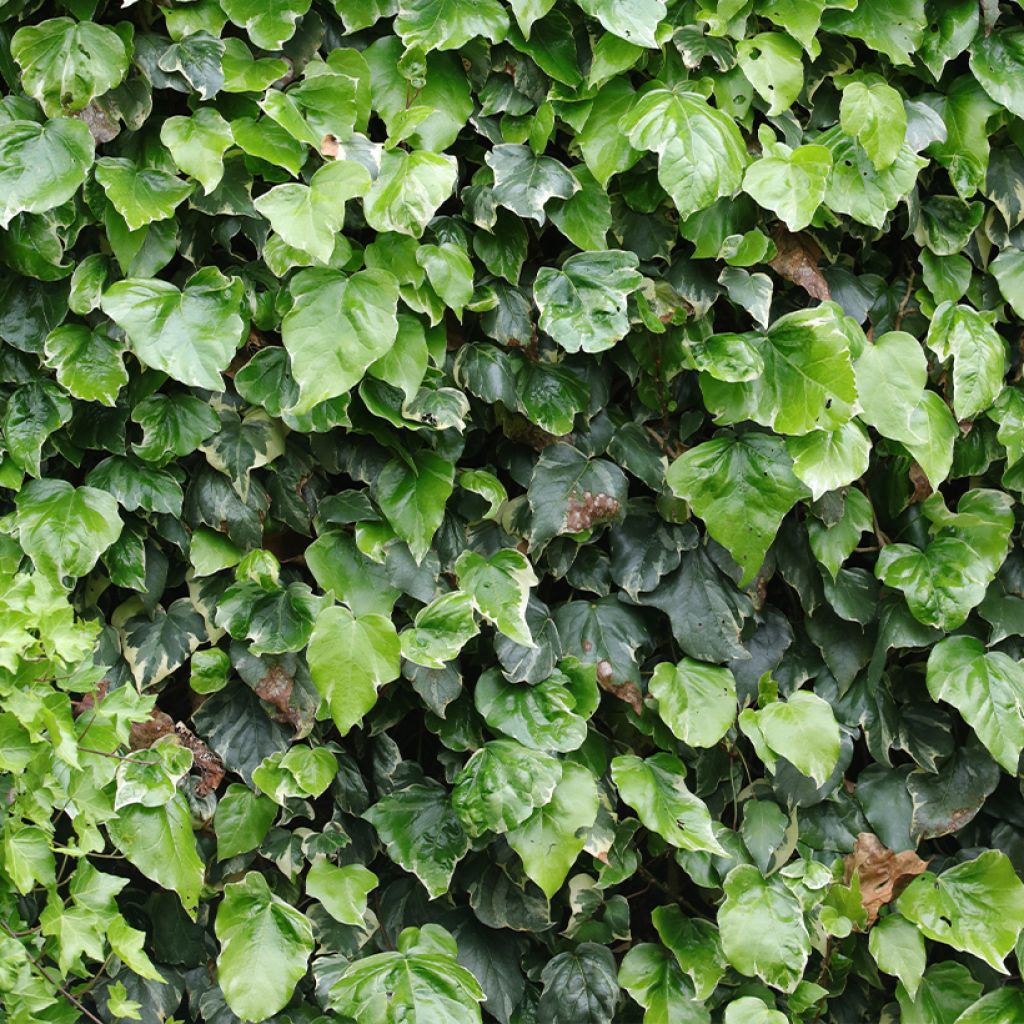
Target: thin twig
[56,984]
[901,310]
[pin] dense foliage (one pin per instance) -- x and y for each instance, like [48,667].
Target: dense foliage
[509,511]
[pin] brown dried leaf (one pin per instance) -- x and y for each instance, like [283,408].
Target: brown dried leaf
[883,874]
[629,692]
[276,689]
[797,261]
[204,760]
[145,734]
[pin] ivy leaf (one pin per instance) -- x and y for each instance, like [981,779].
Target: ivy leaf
[898,948]
[197,145]
[655,789]
[790,183]
[64,147]
[160,843]
[422,977]
[762,928]
[90,364]
[265,944]
[773,64]
[242,820]
[33,413]
[350,658]
[579,985]
[976,906]
[136,486]
[701,154]
[695,700]
[895,29]
[327,304]
[341,890]
[802,729]
[979,357]
[500,589]
[547,716]
[583,303]
[65,529]
[524,182]
[634,22]
[550,840]
[66,63]
[173,426]
[275,621]
[140,195]
[826,461]
[652,977]
[501,785]
[422,833]
[751,1010]
[873,113]
[742,486]
[269,23]
[308,217]
[408,190]
[986,688]
[449,24]
[189,334]
[997,60]
[413,497]
[441,629]
[808,380]
[696,945]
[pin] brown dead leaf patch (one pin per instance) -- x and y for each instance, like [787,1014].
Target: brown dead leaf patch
[883,874]
[276,689]
[797,261]
[627,691]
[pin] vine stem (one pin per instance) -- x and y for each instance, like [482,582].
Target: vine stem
[56,984]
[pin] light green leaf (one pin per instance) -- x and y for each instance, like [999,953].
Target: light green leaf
[898,948]
[701,154]
[64,147]
[350,658]
[826,461]
[500,589]
[299,772]
[328,305]
[342,890]
[450,274]
[546,716]
[441,629]
[583,303]
[265,944]
[695,700]
[808,381]
[500,786]
[832,543]
[269,23]
[751,1010]
[242,820]
[197,144]
[28,859]
[449,24]
[408,190]
[998,1007]
[773,64]
[34,411]
[189,334]
[997,60]
[65,529]
[802,729]
[695,944]
[873,113]
[550,840]
[308,217]
[421,978]
[988,691]
[652,977]
[742,486]
[422,833]
[655,789]
[762,928]
[172,426]
[90,364]
[140,195]
[160,843]
[66,63]
[976,906]
[979,357]
[525,182]
[893,27]
[413,497]
[790,183]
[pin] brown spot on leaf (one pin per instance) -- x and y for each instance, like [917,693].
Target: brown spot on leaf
[883,874]
[627,691]
[797,261]
[922,488]
[329,147]
[90,700]
[276,689]
[145,734]
[204,760]
[588,509]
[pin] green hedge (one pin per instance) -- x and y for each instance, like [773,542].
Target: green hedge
[509,511]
